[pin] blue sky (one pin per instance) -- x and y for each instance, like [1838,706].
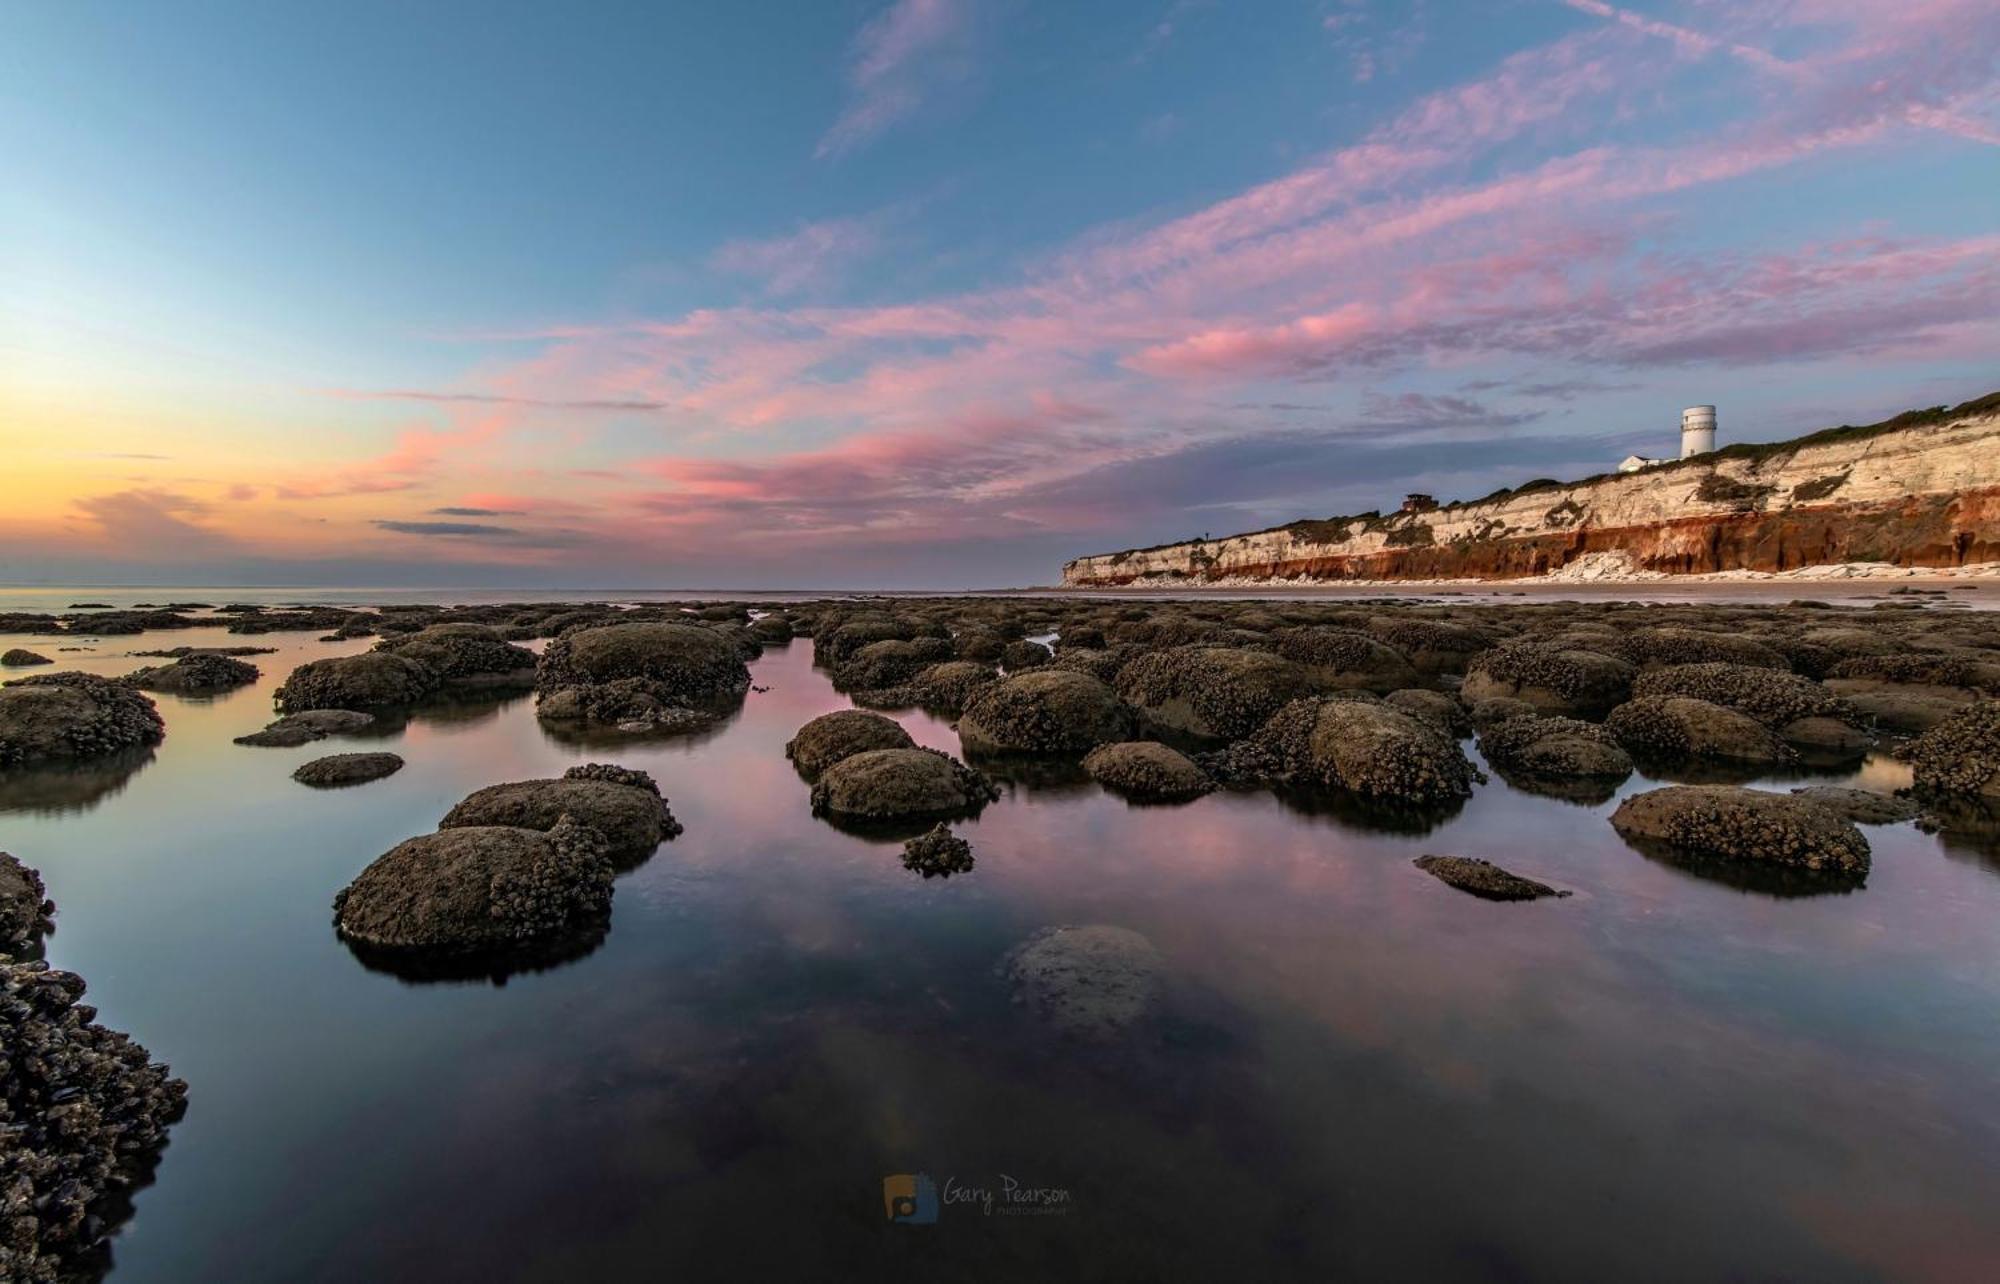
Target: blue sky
[938,292]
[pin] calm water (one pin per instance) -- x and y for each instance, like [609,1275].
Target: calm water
[1357,1072]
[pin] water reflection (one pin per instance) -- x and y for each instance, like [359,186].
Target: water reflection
[71,785]
[1765,879]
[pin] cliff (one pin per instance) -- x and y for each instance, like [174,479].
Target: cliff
[1922,489]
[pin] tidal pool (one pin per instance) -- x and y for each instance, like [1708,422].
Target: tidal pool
[1353,1070]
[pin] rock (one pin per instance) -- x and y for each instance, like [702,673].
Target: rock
[197,673]
[833,736]
[347,769]
[1431,646]
[1862,806]
[1908,710]
[1555,746]
[1669,646]
[1089,983]
[889,663]
[938,853]
[479,890]
[1494,710]
[371,680]
[893,784]
[26,912]
[1554,679]
[303,728]
[1483,879]
[1960,757]
[1365,748]
[772,630]
[86,1113]
[624,673]
[1826,736]
[1044,711]
[72,715]
[1772,698]
[1341,659]
[1728,823]
[466,655]
[1437,708]
[20,657]
[952,685]
[1673,727]
[1214,693]
[1147,771]
[624,806]
[1023,654]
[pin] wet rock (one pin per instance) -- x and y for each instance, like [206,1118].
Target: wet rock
[198,673]
[1366,748]
[1674,727]
[1669,646]
[1908,710]
[1483,879]
[772,630]
[1494,710]
[1147,771]
[372,680]
[21,657]
[1772,698]
[1214,693]
[937,853]
[624,806]
[896,784]
[1862,806]
[466,655]
[1089,983]
[303,728]
[952,685]
[1565,747]
[1435,707]
[1724,822]
[1960,757]
[1553,678]
[622,674]
[1431,646]
[1826,737]
[1044,711]
[72,715]
[1023,654]
[889,663]
[84,1112]
[347,769]
[1341,659]
[1973,671]
[833,736]
[26,912]
[1104,664]
[479,890]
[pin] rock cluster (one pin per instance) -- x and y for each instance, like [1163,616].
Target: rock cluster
[641,676]
[372,680]
[833,736]
[937,853]
[1213,693]
[26,912]
[622,805]
[55,716]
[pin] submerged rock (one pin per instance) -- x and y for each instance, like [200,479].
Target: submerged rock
[1044,710]
[1088,983]
[891,784]
[197,673]
[72,715]
[347,769]
[371,680]
[1862,806]
[833,736]
[1147,771]
[480,889]
[624,806]
[26,912]
[1733,824]
[21,657]
[1483,878]
[84,1112]
[937,853]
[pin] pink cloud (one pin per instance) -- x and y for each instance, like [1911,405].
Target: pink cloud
[813,257]
[897,61]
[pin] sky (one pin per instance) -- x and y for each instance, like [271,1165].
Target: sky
[938,293]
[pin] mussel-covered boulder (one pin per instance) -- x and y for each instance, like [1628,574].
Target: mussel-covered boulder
[340,769]
[26,912]
[1668,646]
[1674,727]
[1342,659]
[938,853]
[1088,983]
[1772,697]
[302,728]
[463,655]
[57,716]
[374,680]
[1024,654]
[21,658]
[1147,771]
[1960,757]
[1367,748]
[1564,747]
[1215,693]
[1862,806]
[1435,707]
[898,784]
[952,685]
[1552,677]
[619,803]
[889,663]
[84,1112]
[1044,711]
[833,736]
[1431,646]
[1723,822]
[197,673]
[479,890]
[1484,879]
[639,674]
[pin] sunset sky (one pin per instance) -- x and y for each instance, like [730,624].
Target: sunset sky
[936,293]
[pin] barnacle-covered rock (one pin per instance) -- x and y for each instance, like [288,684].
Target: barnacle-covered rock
[1147,771]
[1675,727]
[889,663]
[1435,707]
[372,680]
[897,784]
[26,912]
[937,853]
[1960,757]
[1215,693]
[623,805]
[1771,697]
[1340,659]
[197,673]
[1565,747]
[1723,822]
[340,769]
[466,655]
[1367,748]
[1668,646]
[644,674]
[1483,878]
[952,685]
[21,658]
[1862,806]
[842,734]
[1044,711]
[72,715]
[1553,678]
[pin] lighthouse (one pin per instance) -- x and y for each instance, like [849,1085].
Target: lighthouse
[1697,431]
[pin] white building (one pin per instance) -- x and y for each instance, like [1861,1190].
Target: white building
[1697,438]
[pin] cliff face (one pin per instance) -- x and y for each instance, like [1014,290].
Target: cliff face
[1919,490]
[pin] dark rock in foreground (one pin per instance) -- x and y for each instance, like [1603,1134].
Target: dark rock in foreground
[1483,878]
[624,806]
[26,912]
[1044,710]
[72,715]
[1727,823]
[1089,983]
[938,853]
[347,769]
[641,676]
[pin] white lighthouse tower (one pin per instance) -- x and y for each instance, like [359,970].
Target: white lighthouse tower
[1697,431]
